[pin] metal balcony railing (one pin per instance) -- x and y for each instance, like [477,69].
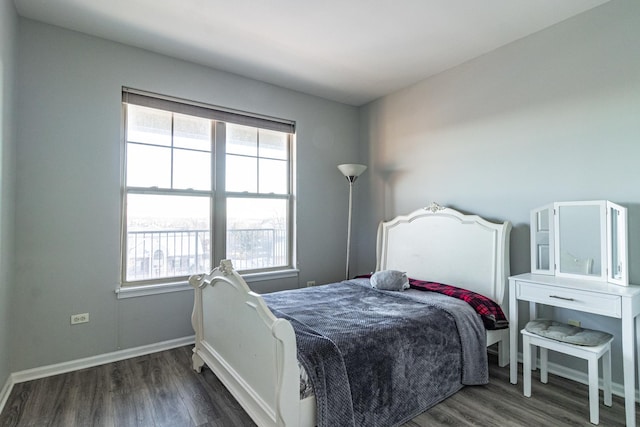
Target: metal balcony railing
[178,253]
[257,248]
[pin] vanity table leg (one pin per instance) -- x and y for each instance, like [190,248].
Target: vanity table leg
[514,334]
[533,314]
[628,360]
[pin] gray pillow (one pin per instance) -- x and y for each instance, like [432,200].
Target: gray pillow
[390,280]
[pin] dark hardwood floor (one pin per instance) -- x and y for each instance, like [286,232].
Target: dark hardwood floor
[162,390]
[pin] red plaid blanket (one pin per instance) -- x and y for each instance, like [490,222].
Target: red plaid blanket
[492,315]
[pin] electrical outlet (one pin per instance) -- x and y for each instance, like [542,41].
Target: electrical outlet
[311,283]
[574,322]
[79,318]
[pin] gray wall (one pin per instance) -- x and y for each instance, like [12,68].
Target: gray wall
[551,117]
[68,189]
[8,43]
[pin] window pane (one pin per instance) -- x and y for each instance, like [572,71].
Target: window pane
[148,125]
[242,140]
[257,233]
[273,144]
[241,174]
[191,132]
[167,236]
[273,176]
[148,166]
[191,169]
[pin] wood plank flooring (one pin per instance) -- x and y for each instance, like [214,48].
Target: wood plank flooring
[161,390]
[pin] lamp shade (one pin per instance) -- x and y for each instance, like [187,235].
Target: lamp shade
[352,169]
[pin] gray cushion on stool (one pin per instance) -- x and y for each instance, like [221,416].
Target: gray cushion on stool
[567,333]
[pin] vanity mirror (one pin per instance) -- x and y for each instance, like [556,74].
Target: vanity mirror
[585,240]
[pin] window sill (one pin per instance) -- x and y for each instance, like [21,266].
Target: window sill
[145,290]
[162,288]
[270,275]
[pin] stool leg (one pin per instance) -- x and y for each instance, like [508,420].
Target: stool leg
[606,376]
[593,390]
[544,359]
[526,365]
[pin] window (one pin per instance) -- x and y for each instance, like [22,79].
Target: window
[202,184]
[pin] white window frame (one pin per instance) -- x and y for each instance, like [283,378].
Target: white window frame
[217,195]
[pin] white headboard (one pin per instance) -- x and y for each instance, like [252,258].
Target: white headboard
[443,245]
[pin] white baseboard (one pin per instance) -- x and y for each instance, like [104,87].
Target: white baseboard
[87,362]
[4,393]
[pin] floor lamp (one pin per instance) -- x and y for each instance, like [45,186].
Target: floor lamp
[351,172]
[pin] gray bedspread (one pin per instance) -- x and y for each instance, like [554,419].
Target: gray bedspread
[379,358]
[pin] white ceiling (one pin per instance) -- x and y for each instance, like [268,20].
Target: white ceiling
[352,51]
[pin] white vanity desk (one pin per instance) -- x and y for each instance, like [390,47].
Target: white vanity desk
[602,298]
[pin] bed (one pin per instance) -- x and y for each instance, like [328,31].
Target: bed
[252,349]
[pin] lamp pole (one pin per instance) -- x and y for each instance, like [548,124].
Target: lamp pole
[351,181]
[351,172]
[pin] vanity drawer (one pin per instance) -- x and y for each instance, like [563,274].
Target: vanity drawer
[590,302]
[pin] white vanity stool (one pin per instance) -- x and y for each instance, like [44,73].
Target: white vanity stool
[579,342]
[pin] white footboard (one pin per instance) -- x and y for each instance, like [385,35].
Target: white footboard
[252,352]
